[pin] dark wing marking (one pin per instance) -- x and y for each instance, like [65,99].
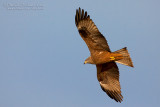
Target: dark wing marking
[108,77]
[89,32]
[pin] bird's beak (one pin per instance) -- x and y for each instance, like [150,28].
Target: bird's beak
[85,62]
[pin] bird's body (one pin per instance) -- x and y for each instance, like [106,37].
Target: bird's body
[101,55]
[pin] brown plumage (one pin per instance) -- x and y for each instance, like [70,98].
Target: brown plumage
[101,55]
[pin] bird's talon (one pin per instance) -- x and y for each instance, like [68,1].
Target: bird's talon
[112,58]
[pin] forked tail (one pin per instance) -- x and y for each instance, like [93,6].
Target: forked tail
[126,60]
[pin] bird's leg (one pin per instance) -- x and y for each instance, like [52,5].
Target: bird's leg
[112,58]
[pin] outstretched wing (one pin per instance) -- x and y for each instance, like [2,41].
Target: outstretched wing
[89,32]
[108,77]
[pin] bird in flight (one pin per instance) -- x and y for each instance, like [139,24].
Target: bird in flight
[101,55]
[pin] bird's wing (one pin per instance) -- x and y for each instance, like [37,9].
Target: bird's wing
[108,77]
[89,32]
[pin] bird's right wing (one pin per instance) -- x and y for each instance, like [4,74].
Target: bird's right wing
[89,32]
[108,77]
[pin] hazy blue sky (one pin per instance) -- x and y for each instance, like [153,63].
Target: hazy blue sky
[42,54]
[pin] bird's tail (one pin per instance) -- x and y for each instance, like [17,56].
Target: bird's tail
[126,60]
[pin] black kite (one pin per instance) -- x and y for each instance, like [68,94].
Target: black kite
[101,55]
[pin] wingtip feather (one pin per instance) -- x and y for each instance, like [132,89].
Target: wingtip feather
[80,15]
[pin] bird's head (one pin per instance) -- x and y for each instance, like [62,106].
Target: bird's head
[85,62]
[88,61]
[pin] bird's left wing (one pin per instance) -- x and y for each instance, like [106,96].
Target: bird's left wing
[108,77]
[89,32]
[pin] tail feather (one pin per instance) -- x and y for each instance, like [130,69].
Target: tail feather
[126,60]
